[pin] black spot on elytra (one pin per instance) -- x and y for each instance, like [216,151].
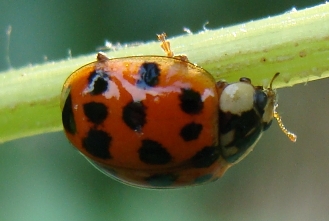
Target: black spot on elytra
[152,152]
[97,143]
[191,102]
[95,112]
[149,74]
[134,115]
[68,116]
[206,157]
[98,81]
[161,180]
[191,131]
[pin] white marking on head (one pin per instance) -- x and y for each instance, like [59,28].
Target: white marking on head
[237,98]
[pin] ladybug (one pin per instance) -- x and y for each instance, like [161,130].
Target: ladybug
[161,121]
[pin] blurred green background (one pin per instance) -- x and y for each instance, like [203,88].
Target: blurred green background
[44,178]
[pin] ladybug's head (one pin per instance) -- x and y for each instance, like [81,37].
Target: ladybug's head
[245,111]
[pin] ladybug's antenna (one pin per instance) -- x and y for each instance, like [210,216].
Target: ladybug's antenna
[290,135]
[276,115]
[274,77]
[165,45]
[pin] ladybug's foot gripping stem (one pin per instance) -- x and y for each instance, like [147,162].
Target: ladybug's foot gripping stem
[165,45]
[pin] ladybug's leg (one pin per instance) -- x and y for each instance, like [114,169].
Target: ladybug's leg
[165,45]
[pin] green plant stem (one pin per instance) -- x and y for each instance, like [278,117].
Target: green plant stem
[296,44]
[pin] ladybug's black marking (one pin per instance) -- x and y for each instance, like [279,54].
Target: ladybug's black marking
[97,143]
[152,152]
[68,116]
[134,115]
[203,179]
[241,124]
[161,180]
[191,131]
[206,157]
[242,144]
[191,102]
[149,74]
[246,129]
[95,112]
[98,82]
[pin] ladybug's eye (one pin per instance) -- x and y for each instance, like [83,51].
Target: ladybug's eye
[260,99]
